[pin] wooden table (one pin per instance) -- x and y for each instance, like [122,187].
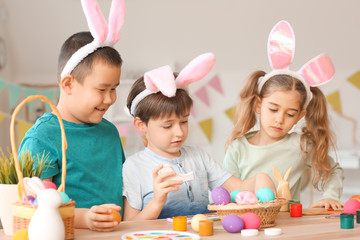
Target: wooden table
[306,227]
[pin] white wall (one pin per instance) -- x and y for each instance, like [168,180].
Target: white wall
[160,32]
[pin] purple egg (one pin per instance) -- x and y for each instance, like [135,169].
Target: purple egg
[233,223]
[30,199]
[220,196]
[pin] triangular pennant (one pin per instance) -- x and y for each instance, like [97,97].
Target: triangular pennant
[192,111]
[230,112]
[355,79]
[22,128]
[123,129]
[49,93]
[30,92]
[215,83]
[2,116]
[334,100]
[202,94]
[123,141]
[14,93]
[2,84]
[206,126]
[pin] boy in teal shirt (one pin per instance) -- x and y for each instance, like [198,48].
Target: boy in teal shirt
[89,71]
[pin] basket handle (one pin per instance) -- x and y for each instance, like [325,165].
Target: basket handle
[13,145]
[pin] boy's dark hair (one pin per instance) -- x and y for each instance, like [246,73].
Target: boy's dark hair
[107,55]
[157,105]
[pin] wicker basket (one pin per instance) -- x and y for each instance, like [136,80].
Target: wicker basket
[266,211]
[23,212]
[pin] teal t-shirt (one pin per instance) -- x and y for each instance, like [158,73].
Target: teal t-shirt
[94,158]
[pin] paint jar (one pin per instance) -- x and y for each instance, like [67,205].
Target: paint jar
[296,210]
[358,216]
[292,202]
[206,227]
[180,223]
[346,220]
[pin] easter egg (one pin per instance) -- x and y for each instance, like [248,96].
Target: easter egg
[21,234]
[48,184]
[65,197]
[251,220]
[265,195]
[116,215]
[357,197]
[195,221]
[233,195]
[220,196]
[233,223]
[351,205]
[246,197]
[31,200]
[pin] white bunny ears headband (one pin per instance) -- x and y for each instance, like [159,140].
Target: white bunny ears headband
[162,79]
[281,49]
[104,34]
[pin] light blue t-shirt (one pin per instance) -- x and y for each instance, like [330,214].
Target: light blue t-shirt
[94,158]
[192,198]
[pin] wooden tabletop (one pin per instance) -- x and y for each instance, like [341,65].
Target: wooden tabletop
[305,227]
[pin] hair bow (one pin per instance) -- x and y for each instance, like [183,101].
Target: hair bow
[162,79]
[103,34]
[281,49]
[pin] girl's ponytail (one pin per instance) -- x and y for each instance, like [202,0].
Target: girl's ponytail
[318,137]
[245,117]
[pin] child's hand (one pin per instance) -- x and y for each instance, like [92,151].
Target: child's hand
[98,218]
[327,203]
[162,187]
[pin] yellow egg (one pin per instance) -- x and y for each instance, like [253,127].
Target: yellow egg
[195,221]
[20,235]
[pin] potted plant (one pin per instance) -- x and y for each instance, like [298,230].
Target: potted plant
[30,167]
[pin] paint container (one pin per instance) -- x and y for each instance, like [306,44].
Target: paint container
[358,216]
[292,202]
[296,210]
[206,227]
[180,223]
[346,220]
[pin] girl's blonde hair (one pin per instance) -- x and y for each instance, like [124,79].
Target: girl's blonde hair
[316,135]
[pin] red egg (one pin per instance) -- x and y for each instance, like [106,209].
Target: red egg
[251,221]
[48,184]
[351,206]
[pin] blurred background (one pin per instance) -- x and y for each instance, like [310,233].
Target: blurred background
[161,32]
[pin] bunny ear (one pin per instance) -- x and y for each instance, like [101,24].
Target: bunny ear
[116,20]
[196,69]
[281,45]
[277,175]
[34,184]
[287,174]
[161,79]
[318,70]
[96,21]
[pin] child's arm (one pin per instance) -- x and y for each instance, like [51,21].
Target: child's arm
[327,203]
[251,184]
[96,218]
[161,189]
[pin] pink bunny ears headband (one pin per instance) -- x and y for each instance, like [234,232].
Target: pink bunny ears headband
[103,34]
[281,49]
[162,79]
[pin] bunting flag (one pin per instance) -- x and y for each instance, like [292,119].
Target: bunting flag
[49,93]
[355,79]
[202,94]
[30,92]
[123,130]
[334,100]
[2,84]
[2,116]
[14,93]
[192,111]
[215,83]
[230,112]
[206,126]
[22,128]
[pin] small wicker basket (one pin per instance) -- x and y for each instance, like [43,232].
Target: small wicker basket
[23,212]
[266,211]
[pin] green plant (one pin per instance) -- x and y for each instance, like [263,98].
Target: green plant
[29,166]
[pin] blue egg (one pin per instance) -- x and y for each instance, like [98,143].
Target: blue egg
[65,197]
[233,195]
[265,195]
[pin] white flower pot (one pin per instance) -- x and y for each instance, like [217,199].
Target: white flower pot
[8,196]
